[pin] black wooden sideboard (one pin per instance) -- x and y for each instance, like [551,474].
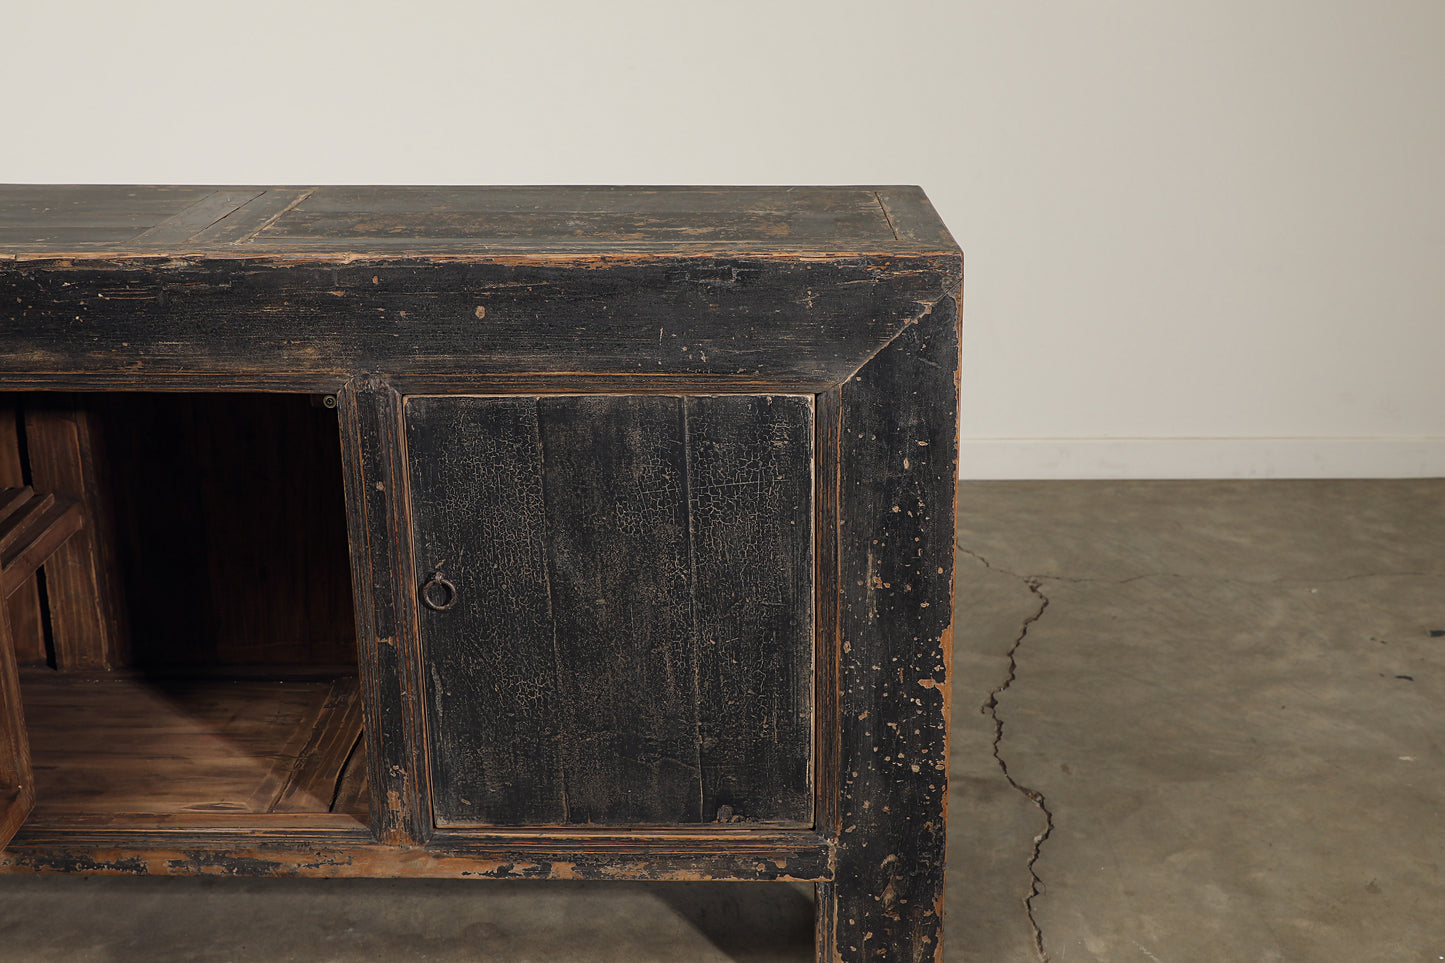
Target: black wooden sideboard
[513,532]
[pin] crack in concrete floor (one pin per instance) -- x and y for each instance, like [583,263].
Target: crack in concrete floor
[990,709]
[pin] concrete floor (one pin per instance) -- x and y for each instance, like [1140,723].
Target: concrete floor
[1229,705]
[1193,721]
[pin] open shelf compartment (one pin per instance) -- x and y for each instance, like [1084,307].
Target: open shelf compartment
[194,657]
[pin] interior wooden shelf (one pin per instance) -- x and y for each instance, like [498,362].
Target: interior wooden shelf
[117,745]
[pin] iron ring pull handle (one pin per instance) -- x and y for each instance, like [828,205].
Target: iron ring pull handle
[437,585]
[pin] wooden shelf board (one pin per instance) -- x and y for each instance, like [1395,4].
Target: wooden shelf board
[115,748]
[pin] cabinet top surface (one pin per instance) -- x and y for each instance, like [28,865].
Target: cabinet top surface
[107,221]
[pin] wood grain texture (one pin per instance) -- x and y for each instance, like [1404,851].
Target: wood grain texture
[828,652]
[372,453]
[89,623]
[251,218]
[897,489]
[912,219]
[184,225]
[353,793]
[631,642]
[32,528]
[790,325]
[314,783]
[85,217]
[111,745]
[17,782]
[27,626]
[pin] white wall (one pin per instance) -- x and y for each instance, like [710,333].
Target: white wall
[1202,237]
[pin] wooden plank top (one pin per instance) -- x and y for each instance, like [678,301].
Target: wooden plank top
[349,223]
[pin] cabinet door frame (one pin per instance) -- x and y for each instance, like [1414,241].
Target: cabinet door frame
[373,458]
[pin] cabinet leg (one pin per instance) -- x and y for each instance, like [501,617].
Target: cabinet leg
[896,485]
[857,923]
[825,899]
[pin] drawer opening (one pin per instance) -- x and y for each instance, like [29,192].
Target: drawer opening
[193,659]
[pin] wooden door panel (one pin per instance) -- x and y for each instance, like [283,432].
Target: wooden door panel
[630,638]
[614,488]
[491,683]
[751,494]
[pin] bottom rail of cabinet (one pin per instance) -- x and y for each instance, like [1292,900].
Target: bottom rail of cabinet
[801,856]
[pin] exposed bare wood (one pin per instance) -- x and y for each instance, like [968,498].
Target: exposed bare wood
[87,610]
[124,745]
[26,616]
[314,781]
[17,782]
[32,528]
[353,790]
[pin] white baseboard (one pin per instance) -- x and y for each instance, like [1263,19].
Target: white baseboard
[1049,458]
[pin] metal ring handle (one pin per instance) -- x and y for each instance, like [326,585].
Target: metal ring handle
[448,593]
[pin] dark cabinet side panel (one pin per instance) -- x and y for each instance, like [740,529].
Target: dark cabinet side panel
[631,641]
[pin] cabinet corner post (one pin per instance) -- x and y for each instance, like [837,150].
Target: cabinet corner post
[897,486]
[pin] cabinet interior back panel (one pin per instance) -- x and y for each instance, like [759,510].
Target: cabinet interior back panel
[631,641]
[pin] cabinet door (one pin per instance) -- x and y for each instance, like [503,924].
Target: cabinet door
[616,607]
[17,787]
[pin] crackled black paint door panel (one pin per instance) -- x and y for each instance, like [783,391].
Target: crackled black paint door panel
[631,636]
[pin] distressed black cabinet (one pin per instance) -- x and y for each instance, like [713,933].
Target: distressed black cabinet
[647,501]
